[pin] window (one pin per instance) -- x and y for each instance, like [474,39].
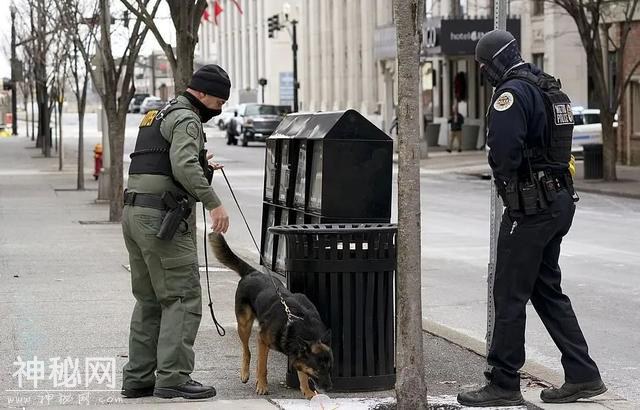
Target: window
[261,110]
[538,60]
[592,118]
[635,108]
[537,7]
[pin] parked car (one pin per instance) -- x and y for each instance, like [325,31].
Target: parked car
[587,128]
[222,120]
[134,105]
[253,122]
[151,103]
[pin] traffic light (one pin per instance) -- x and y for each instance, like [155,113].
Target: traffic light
[6,84]
[273,24]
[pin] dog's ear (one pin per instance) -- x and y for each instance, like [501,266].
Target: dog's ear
[326,337]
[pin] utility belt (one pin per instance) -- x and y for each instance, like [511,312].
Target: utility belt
[533,194]
[177,206]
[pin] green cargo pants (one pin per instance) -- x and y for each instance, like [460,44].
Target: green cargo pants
[165,281]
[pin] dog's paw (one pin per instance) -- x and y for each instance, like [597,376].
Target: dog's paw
[262,388]
[244,375]
[308,394]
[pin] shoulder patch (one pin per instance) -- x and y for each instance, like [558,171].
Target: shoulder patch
[503,102]
[563,114]
[192,130]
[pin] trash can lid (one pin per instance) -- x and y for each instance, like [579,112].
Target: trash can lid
[333,228]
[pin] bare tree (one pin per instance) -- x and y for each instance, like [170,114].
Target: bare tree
[42,44]
[411,390]
[81,34]
[604,27]
[113,78]
[186,16]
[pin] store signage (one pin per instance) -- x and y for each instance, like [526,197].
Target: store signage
[460,36]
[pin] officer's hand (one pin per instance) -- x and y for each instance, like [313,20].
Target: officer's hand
[572,166]
[217,166]
[209,156]
[219,220]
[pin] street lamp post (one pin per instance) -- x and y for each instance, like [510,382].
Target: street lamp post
[274,25]
[294,48]
[14,96]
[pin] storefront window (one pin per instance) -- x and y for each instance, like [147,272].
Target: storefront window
[538,7]
[538,60]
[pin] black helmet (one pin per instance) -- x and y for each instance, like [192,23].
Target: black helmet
[498,52]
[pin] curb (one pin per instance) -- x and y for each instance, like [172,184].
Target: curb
[598,191]
[535,370]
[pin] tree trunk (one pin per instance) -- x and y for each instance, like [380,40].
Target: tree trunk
[117,122]
[609,146]
[411,390]
[184,67]
[80,180]
[25,100]
[60,145]
[33,115]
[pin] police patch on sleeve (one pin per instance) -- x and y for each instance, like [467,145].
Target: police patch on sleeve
[192,130]
[563,114]
[504,102]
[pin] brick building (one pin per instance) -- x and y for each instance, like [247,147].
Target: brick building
[629,112]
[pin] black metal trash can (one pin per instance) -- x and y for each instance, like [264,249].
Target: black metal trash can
[593,159]
[348,271]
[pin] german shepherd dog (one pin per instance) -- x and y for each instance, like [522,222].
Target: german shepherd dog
[305,339]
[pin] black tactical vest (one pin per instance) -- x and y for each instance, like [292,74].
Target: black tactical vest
[151,154]
[554,151]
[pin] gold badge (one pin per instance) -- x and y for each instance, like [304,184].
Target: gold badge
[147,120]
[503,102]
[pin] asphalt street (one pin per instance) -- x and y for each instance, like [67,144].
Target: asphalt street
[600,259]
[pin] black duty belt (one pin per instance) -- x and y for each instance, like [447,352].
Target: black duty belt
[144,200]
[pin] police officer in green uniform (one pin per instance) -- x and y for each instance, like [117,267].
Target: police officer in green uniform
[169,173]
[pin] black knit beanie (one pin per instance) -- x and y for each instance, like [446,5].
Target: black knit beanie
[211,79]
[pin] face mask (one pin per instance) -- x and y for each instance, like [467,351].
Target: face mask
[206,114]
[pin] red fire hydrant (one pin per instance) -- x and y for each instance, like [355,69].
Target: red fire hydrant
[97,161]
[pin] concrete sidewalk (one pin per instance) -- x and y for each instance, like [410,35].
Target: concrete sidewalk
[65,292]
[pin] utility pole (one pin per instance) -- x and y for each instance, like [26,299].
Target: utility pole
[14,66]
[499,22]
[294,48]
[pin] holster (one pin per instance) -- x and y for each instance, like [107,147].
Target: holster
[178,211]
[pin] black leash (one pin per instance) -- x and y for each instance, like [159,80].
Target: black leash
[290,316]
[219,327]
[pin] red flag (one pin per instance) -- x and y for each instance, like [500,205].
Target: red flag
[217,10]
[237,5]
[206,15]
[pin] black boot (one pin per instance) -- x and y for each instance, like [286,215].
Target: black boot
[135,393]
[570,392]
[490,396]
[189,390]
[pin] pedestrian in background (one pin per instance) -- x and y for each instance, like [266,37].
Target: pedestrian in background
[169,173]
[530,128]
[456,120]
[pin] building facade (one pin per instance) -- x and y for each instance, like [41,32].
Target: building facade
[240,44]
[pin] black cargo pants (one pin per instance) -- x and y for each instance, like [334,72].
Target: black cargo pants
[527,269]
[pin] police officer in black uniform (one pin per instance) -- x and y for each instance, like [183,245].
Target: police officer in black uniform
[530,128]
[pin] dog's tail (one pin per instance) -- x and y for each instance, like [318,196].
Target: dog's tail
[226,256]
